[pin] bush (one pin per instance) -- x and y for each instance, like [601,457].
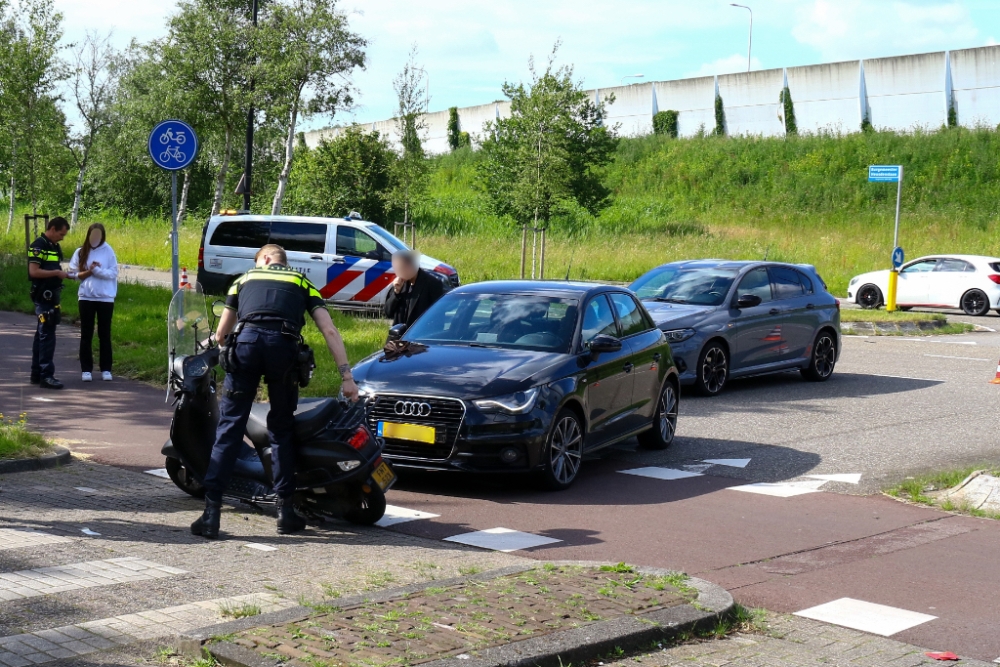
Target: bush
[454,130]
[17,442]
[665,123]
[785,97]
[720,117]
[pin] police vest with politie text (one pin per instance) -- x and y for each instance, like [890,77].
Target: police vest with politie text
[48,256]
[275,297]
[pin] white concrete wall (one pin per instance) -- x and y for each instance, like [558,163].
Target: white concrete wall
[435,137]
[751,102]
[693,99]
[826,97]
[906,92]
[632,109]
[472,119]
[975,78]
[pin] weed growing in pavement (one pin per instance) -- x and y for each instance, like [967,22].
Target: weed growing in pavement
[915,489]
[376,580]
[17,442]
[239,609]
[621,568]
[469,571]
[168,656]
[330,592]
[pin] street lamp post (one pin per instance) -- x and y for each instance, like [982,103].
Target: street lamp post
[632,76]
[750,38]
[248,158]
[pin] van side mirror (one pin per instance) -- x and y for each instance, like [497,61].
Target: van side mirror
[604,343]
[396,332]
[748,301]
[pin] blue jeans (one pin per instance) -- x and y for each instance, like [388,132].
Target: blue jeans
[271,355]
[43,348]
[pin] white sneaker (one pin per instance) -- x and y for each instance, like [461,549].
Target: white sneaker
[87,377]
[106,376]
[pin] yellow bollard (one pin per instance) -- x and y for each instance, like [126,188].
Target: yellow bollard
[890,304]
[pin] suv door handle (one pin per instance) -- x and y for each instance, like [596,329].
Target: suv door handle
[628,367]
[316,257]
[774,311]
[810,306]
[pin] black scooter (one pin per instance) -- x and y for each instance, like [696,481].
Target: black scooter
[340,470]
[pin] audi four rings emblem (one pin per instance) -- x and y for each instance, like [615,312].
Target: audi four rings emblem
[412,409]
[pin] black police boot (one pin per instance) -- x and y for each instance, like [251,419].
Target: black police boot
[50,383]
[207,524]
[288,520]
[35,379]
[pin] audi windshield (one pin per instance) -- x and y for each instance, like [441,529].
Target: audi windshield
[514,321]
[702,286]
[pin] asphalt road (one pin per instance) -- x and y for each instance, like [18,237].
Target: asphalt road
[895,406]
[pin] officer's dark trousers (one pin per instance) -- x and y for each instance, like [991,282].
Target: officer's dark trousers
[271,355]
[43,348]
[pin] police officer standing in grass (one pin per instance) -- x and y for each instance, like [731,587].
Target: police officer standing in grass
[46,274]
[260,333]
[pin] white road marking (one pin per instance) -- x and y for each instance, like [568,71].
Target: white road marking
[16,539]
[698,467]
[661,473]
[48,580]
[877,619]
[848,478]
[88,531]
[902,377]
[394,515]
[732,463]
[85,489]
[260,547]
[948,356]
[943,342]
[852,336]
[783,489]
[158,472]
[501,539]
[43,400]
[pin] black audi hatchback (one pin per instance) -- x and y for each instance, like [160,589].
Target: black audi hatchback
[522,377]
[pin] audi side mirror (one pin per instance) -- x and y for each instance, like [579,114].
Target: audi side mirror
[748,301]
[396,332]
[604,343]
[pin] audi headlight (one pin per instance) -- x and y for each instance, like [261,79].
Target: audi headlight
[678,335]
[515,404]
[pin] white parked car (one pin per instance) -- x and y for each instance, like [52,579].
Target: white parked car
[348,259]
[969,282]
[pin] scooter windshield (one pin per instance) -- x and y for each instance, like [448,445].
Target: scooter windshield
[188,324]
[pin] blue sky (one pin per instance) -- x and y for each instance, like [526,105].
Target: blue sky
[470,48]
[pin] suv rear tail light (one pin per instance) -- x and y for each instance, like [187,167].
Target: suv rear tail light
[838,304]
[994,277]
[445,269]
[201,257]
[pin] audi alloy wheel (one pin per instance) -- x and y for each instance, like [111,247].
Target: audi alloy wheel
[661,435]
[564,452]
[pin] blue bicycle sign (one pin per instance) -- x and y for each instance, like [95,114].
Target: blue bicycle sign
[173,145]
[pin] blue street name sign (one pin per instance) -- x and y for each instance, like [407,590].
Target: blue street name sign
[898,257]
[173,145]
[883,173]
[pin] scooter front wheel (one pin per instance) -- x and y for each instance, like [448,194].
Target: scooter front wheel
[370,508]
[185,481]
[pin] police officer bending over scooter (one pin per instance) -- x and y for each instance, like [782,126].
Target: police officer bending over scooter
[260,335]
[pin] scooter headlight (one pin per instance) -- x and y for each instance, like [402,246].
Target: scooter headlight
[195,367]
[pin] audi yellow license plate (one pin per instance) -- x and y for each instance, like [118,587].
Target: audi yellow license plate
[383,476]
[412,432]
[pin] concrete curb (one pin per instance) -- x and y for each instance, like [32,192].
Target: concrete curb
[891,327]
[59,457]
[552,650]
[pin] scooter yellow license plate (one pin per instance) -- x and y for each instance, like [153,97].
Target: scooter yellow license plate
[383,476]
[412,432]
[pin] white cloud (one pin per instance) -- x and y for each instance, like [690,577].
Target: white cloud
[848,29]
[127,18]
[728,65]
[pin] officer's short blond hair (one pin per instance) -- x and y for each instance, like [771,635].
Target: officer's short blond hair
[275,252]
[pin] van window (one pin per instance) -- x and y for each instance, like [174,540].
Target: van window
[299,236]
[353,242]
[242,234]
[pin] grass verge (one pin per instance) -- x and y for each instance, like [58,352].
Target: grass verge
[853,315]
[17,442]
[917,489]
[139,331]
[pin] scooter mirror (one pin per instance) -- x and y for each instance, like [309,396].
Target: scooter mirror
[218,307]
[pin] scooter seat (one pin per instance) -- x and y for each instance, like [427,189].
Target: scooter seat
[311,416]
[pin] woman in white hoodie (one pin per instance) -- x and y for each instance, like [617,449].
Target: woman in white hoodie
[96,267]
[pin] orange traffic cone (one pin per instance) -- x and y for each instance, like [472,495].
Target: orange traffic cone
[996,380]
[184,284]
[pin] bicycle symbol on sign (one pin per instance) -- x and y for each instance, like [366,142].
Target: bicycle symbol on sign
[170,135]
[172,152]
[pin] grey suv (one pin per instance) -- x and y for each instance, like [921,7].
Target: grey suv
[727,319]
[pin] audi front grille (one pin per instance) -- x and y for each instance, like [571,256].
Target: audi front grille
[444,414]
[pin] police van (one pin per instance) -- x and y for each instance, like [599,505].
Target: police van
[348,259]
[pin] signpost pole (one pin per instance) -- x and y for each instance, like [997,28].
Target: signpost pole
[890,304]
[173,235]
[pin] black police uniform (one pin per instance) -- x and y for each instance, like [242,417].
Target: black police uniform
[271,303]
[45,294]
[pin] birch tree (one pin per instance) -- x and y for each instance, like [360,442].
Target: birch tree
[410,170]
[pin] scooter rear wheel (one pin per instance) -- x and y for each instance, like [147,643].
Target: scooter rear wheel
[183,478]
[370,509]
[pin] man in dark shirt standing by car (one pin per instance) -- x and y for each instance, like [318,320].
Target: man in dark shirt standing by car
[413,291]
[46,274]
